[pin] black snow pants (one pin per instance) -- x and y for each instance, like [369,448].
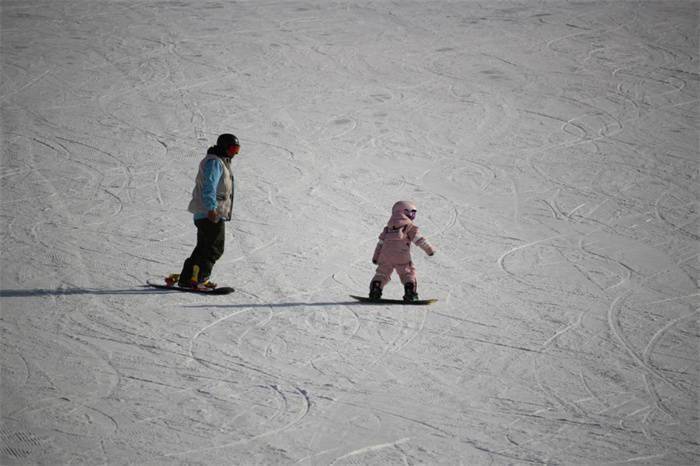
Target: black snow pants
[209,248]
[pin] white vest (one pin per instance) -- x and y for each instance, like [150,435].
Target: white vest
[224,191]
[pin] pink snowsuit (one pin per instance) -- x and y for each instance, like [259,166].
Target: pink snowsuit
[393,251]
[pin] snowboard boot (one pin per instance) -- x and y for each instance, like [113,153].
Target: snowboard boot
[410,292]
[375,291]
[192,282]
[208,284]
[172,279]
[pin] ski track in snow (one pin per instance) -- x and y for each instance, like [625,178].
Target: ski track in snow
[551,149]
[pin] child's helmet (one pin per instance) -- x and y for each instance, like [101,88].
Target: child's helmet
[406,208]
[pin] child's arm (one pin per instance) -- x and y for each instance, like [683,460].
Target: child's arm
[423,243]
[378,249]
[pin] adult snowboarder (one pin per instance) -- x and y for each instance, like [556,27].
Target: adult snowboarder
[393,252]
[211,205]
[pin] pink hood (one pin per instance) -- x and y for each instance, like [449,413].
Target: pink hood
[398,218]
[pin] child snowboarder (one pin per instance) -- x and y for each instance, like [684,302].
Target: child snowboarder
[393,252]
[211,205]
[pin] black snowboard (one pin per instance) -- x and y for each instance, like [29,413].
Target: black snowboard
[420,302]
[217,290]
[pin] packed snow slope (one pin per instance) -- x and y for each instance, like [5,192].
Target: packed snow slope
[551,149]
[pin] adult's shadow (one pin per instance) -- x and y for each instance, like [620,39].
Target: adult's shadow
[145,290]
[275,305]
[26,293]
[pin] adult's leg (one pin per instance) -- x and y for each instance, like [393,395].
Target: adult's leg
[209,248]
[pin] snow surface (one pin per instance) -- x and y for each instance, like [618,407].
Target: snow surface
[551,148]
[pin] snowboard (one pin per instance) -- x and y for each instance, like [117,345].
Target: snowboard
[218,290]
[420,302]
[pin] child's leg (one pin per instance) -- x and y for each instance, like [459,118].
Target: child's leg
[407,274]
[383,273]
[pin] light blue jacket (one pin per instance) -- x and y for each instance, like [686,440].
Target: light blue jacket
[211,191]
